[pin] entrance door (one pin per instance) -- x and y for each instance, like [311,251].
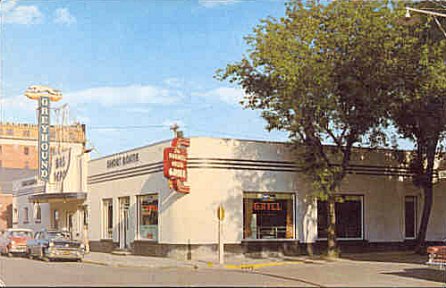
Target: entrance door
[124,240]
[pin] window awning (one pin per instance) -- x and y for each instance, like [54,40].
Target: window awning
[56,197]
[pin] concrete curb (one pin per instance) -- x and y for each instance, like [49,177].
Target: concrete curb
[104,263]
[95,262]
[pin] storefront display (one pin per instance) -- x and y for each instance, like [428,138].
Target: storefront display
[268,216]
[148,217]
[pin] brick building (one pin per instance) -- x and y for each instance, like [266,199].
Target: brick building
[18,149]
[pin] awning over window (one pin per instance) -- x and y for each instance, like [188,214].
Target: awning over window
[56,197]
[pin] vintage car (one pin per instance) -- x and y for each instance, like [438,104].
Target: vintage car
[55,244]
[13,241]
[437,255]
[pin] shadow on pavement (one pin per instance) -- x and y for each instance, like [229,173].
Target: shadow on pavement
[428,274]
[408,257]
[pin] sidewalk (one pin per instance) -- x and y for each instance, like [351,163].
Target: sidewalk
[231,262]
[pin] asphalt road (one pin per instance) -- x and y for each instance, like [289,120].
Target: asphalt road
[377,270]
[25,272]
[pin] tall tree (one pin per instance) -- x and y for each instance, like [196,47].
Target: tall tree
[419,110]
[321,73]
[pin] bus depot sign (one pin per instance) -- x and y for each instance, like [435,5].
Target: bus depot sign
[175,164]
[60,165]
[44,95]
[44,138]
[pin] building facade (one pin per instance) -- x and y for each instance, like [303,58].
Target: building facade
[269,205]
[18,149]
[60,202]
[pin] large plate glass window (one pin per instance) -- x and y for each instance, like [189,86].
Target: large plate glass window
[268,216]
[107,218]
[349,215]
[148,217]
[410,216]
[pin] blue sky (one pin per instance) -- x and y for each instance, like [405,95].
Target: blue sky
[126,63]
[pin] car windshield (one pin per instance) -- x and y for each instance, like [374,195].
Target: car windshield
[58,235]
[20,233]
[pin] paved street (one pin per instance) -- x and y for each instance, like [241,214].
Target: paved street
[379,269]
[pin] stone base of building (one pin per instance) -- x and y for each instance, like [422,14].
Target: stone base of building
[252,249]
[105,246]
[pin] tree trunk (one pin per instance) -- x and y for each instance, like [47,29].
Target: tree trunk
[428,197]
[331,231]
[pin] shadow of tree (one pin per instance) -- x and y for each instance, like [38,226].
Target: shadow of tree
[428,274]
[408,257]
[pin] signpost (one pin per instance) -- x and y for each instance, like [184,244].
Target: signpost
[221,251]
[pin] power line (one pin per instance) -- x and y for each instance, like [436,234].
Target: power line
[126,127]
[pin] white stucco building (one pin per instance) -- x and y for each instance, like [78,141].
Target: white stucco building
[59,203]
[268,204]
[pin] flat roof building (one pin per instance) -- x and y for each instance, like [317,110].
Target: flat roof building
[268,203]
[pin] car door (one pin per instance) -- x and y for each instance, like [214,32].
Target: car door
[33,244]
[2,242]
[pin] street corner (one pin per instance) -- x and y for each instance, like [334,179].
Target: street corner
[254,266]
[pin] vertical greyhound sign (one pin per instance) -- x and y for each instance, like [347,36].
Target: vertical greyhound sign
[44,95]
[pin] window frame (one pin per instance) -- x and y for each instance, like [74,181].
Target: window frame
[105,233]
[15,215]
[362,198]
[294,214]
[138,217]
[37,213]
[415,217]
[26,215]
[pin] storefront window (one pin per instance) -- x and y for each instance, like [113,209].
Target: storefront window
[148,217]
[348,211]
[268,216]
[107,218]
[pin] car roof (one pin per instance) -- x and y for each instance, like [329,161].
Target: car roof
[18,229]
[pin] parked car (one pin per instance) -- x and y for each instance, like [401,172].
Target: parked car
[55,244]
[13,241]
[437,255]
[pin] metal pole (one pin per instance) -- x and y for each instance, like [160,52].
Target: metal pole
[220,243]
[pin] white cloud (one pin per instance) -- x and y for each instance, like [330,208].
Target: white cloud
[174,82]
[18,103]
[63,16]
[21,14]
[214,3]
[124,95]
[228,95]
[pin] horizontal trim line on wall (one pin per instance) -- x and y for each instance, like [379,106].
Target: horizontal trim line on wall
[272,169]
[42,190]
[283,163]
[243,164]
[127,175]
[126,170]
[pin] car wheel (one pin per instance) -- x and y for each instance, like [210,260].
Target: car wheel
[30,256]
[9,254]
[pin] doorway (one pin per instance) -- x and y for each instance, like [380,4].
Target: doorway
[124,241]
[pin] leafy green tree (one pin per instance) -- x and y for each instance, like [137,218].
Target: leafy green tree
[419,108]
[321,73]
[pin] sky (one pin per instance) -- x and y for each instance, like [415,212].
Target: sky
[129,69]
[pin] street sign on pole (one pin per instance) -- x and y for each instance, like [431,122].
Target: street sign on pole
[221,217]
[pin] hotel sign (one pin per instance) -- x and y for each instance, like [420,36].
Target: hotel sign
[175,164]
[44,138]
